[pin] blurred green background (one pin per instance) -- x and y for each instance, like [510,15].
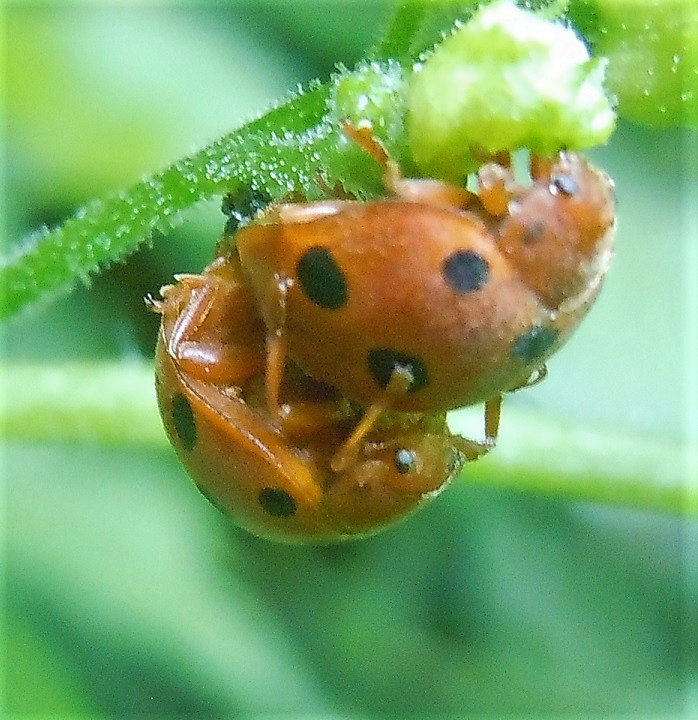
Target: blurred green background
[125,594]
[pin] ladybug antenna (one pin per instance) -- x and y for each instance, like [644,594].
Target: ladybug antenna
[401,379]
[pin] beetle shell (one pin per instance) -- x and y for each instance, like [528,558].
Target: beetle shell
[273,482]
[472,302]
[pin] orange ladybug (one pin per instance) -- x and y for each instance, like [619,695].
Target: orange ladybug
[435,298]
[304,376]
[273,475]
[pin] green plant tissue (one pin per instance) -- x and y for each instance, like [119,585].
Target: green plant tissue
[506,79]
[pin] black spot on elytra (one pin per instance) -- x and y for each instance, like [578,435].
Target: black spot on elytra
[277,502]
[534,343]
[404,460]
[322,279]
[465,271]
[382,362]
[184,422]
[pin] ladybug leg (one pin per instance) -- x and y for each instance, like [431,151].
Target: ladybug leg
[497,185]
[366,140]
[400,381]
[276,344]
[474,449]
[540,167]
[276,359]
[192,316]
[433,192]
[193,310]
[493,412]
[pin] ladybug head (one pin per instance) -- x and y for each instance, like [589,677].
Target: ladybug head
[395,472]
[559,231]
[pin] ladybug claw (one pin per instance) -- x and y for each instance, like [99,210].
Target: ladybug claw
[153,304]
[473,449]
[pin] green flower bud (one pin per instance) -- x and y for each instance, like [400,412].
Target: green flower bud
[373,93]
[506,79]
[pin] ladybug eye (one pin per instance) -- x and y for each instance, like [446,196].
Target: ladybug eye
[404,460]
[563,184]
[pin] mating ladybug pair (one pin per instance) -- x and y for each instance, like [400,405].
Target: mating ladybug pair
[304,376]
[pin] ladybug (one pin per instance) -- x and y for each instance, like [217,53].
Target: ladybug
[304,377]
[273,475]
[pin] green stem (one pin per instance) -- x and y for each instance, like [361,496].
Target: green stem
[114,404]
[545,456]
[266,153]
[110,403]
[397,41]
[287,150]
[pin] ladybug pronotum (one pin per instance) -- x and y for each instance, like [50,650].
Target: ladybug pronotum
[304,377]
